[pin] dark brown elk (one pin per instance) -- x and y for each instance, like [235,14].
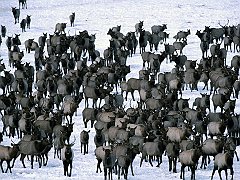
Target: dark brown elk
[227,40]
[16,14]
[172,151]
[30,45]
[169,49]
[125,155]
[99,138]
[23,3]
[182,35]
[235,63]
[28,21]
[23,24]
[84,140]
[3,31]
[236,87]
[72,19]
[95,94]
[204,45]
[108,163]
[143,41]
[42,40]
[67,155]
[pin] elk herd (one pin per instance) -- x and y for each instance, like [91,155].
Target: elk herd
[38,101]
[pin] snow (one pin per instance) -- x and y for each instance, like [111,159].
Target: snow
[97,16]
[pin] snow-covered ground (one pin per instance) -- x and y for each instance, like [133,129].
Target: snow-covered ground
[97,16]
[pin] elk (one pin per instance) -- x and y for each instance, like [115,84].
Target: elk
[16,14]
[8,153]
[84,139]
[72,19]
[138,27]
[189,158]
[33,148]
[67,155]
[223,161]
[182,35]
[23,3]
[60,27]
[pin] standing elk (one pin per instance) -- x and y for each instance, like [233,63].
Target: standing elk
[16,14]
[72,19]
[23,3]
[223,161]
[139,27]
[28,21]
[60,27]
[23,24]
[84,140]
[67,158]
[3,31]
[33,148]
[189,158]
[182,35]
[8,153]
[156,29]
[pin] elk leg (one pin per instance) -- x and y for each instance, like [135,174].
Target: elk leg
[22,159]
[1,165]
